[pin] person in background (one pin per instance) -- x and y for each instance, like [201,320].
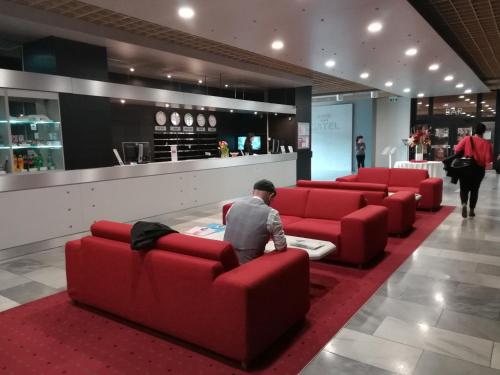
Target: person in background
[360,151]
[470,178]
[250,222]
[247,147]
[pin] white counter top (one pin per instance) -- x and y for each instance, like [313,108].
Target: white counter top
[13,182]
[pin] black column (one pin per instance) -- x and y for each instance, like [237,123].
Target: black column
[303,102]
[497,126]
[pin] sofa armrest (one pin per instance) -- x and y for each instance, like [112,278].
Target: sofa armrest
[73,255]
[350,178]
[261,299]
[363,234]
[431,190]
[401,206]
[225,209]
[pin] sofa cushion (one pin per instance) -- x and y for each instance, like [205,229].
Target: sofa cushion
[362,186]
[332,204]
[319,229]
[112,230]
[290,201]
[407,177]
[287,220]
[318,184]
[394,189]
[375,175]
[201,248]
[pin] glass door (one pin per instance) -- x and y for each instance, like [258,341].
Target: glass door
[35,130]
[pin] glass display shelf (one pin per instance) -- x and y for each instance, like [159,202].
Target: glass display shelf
[20,147]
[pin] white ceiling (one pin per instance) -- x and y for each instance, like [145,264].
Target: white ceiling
[314,31]
[149,62]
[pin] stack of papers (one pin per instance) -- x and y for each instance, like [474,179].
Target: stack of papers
[200,231]
[305,244]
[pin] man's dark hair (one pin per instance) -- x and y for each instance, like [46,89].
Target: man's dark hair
[358,138]
[265,185]
[479,129]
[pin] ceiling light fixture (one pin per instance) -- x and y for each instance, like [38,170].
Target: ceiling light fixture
[186,12]
[226,85]
[231,110]
[449,78]
[330,63]
[122,101]
[472,102]
[434,67]
[132,69]
[459,85]
[388,84]
[419,103]
[200,81]
[411,51]
[167,105]
[374,27]
[483,102]
[364,75]
[169,76]
[466,99]
[407,89]
[202,108]
[461,97]
[468,91]
[420,95]
[277,45]
[255,113]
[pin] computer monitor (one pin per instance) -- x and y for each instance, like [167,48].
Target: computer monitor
[136,152]
[256,143]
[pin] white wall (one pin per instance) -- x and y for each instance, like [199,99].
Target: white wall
[392,124]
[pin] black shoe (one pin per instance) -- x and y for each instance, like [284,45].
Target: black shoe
[464,211]
[472,213]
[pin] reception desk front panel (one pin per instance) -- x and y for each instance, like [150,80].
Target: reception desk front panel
[54,204]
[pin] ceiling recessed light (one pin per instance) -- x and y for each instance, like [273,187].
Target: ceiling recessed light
[445,105]
[169,76]
[461,97]
[226,85]
[202,108]
[122,101]
[468,91]
[411,51]
[275,114]
[466,99]
[459,85]
[186,12]
[449,78]
[482,110]
[231,110]
[277,45]
[167,105]
[255,113]
[364,75]
[472,102]
[388,83]
[420,95]
[132,69]
[427,105]
[434,67]
[407,89]
[374,27]
[200,81]
[419,103]
[330,63]
[483,102]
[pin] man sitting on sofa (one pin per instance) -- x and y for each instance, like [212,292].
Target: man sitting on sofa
[250,222]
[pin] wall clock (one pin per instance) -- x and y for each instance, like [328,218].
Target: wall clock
[200,120]
[160,118]
[212,121]
[175,118]
[188,119]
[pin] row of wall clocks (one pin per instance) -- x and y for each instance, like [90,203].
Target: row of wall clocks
[175,119]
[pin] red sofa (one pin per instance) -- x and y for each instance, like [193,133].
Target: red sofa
[403,179]
[191,288]
[342,217]
[401,205]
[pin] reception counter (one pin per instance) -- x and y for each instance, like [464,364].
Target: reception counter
[46,205]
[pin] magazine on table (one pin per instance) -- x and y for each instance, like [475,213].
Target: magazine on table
[305,244]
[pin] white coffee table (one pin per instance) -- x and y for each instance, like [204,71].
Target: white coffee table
[417,195]
[316,249]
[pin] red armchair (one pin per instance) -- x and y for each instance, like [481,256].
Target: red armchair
[191,288]
[401,205]
[403,179]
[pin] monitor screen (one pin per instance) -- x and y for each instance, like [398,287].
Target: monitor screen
[256,143]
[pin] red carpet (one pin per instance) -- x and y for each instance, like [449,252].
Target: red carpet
[53,336]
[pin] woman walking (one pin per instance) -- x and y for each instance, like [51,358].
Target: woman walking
[360,151]
[470,178]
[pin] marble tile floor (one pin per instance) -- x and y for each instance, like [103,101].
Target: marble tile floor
[439,313]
